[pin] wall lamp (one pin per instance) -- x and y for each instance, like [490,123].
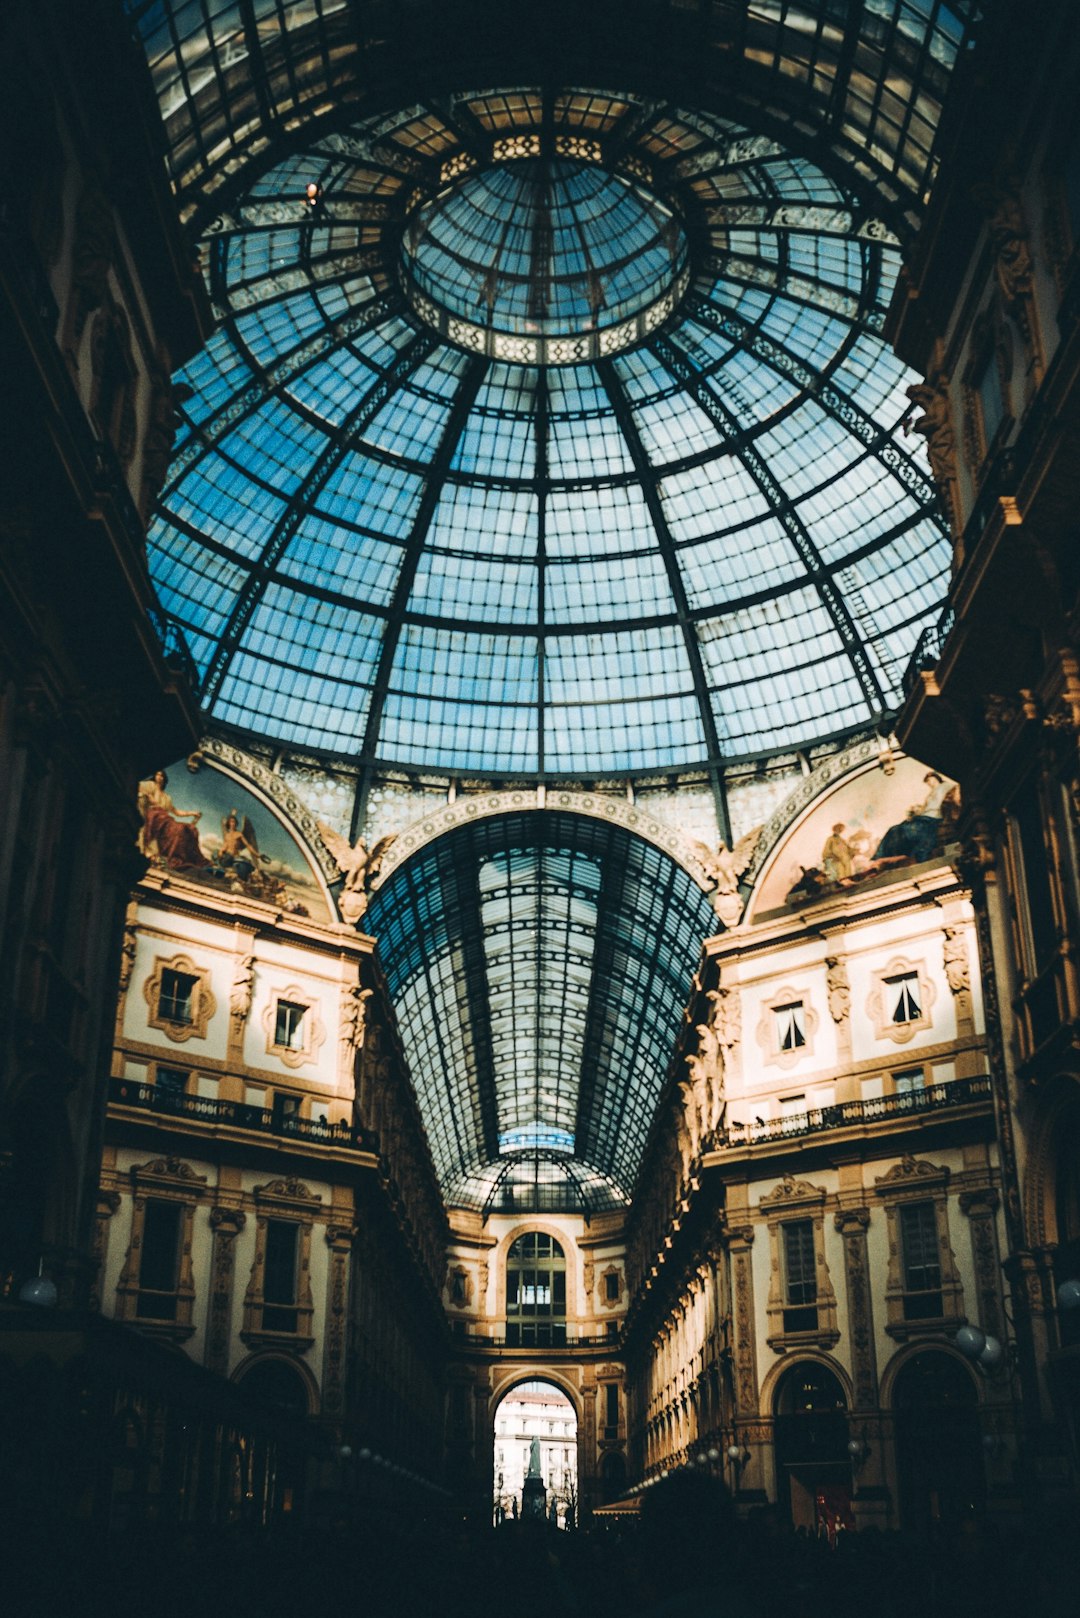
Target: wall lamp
[737,1455]
[982,1348]
[1068,1295]
[858,1449]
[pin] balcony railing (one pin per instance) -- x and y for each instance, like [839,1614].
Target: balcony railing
[238,1115]
[928,650]
[935,1098]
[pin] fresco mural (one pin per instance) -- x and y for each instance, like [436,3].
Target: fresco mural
[204,826]
[867,826]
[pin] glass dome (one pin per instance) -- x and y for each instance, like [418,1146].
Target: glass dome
[549,435]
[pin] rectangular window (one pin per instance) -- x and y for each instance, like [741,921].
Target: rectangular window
[279,1275]
[991,397]
[922,1261]
[170,1083]
[176,1001]
[160,1260]
[790,1026]
[911,1080]
[289,1033]
[800,1277]
[285,1113]
[611,1287]
[611,1404]
[904,1001]
[793,1112]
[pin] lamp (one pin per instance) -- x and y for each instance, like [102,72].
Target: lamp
[858,1449]
[982,1348]
[1068,1295]
[737,1455]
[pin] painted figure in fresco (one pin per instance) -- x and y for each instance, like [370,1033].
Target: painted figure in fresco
[239,845]
[916,838]
[836,855]
[168,836]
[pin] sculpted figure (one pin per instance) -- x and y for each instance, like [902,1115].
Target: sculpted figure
[359,868]
[725,866]
[957,971]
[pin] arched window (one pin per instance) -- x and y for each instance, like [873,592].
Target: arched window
[536,1292]
[812,1463]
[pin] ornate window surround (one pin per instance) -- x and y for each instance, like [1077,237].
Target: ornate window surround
[793,1200]
[616,1301]
[312,1026]
[767,1027]
[289,1200]
[165,1179]
[915,1180]
[203,1003]
[900,1032]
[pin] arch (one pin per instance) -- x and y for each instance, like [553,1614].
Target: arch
[810,1405]
[521,1374]
[262,1375]
[776,1373]
[561,1453]
[940,1465]
[902,1356]
[591,805]
[1057,1110]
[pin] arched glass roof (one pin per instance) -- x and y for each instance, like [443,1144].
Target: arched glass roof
[539,963]
[633,498]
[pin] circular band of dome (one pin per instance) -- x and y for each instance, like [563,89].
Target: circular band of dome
[570,261]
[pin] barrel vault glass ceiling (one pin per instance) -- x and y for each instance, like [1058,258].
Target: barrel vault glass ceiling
[547,431]
[521,953]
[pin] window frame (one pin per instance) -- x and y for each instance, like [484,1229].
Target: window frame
[296,998]
[171,1181]
[796,1202]
[879,1004]
[908,1182]
[203,1003]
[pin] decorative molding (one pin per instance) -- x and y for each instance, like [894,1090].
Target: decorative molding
[853,1224]
[312,1027]
[203,1003]
[884,1028]
[594,805]
[226,1223]
[796,1201]
[767,1032]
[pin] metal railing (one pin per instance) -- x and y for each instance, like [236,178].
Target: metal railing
[935,1098]
[238,1115]
[928,650]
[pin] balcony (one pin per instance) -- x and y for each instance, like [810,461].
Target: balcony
[935,1098]
[238,1115]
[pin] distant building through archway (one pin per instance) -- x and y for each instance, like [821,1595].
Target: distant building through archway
[542,1411]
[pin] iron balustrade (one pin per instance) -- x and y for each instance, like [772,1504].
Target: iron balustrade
[935,1098]
[239,1115]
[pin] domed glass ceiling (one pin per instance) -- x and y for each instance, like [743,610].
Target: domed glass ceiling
[558,437]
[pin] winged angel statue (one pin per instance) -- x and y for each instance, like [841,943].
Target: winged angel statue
[725,866]
[359,868]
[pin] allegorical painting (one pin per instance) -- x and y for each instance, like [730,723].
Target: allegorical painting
[204,826]
[868,826]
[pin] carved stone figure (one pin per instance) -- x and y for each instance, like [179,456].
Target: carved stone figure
[934,423]
[726,1018]
[242,985]
[354,1015]
[359,868]
[957,971]
[1007,228]
[839,988]
[724,866]
[127,955]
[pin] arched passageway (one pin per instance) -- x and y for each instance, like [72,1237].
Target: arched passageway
[813,1470]
[939,1457]
[536,1426]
